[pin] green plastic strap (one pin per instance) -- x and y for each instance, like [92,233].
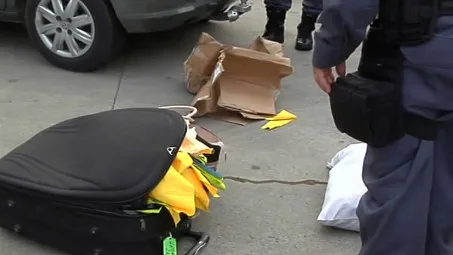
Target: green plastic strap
[151,211]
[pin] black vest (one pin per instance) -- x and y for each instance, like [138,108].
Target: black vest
[410,22]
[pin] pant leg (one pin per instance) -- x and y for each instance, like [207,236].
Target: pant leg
[440,231]
[393,213]
[429,67]
[279,4]
[312,7]
[408,207]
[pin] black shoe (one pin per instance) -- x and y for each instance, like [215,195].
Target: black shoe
[304,41]
[275,26]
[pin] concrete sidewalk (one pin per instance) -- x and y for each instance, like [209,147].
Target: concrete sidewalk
[274,217]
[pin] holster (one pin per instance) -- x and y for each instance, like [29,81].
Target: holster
[367,104]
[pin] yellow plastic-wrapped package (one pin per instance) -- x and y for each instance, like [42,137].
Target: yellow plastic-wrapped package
[176,191]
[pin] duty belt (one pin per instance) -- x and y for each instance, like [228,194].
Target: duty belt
[420,127]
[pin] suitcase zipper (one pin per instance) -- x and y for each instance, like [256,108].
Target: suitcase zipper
[142,225]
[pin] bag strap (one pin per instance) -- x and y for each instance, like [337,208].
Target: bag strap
[187,117]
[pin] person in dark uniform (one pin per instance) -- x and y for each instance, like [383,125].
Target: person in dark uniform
[276,14]
[408,209]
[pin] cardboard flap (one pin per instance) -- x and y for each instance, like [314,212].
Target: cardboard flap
[270,47]
[205,101]
[201,62]
[254,116]
[281,65]
[206,98]
[207,38]
[255,67]
[231,117]
[237,95]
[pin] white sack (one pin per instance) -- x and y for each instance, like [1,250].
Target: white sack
[344,189]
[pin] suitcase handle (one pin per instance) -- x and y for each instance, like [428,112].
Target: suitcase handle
[184,229]
[202,241]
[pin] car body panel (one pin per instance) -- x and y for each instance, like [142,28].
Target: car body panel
[10,4]
[143,16]
[9,11]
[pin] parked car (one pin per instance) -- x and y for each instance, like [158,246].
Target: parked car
[83,35]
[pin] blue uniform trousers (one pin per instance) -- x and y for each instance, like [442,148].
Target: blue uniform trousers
[312,7]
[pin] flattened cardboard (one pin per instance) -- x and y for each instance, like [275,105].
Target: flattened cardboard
[244,83]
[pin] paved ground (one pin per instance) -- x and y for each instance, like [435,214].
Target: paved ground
[251,218]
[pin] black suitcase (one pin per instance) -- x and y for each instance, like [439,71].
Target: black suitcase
[77,185]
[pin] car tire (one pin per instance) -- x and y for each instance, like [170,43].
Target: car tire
[98,42]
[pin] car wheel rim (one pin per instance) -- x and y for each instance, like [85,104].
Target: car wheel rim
[66,27]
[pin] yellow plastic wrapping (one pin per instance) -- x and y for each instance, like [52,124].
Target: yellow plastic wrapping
[184,188]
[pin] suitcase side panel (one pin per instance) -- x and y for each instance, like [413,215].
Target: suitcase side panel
[76,245]
[90,225]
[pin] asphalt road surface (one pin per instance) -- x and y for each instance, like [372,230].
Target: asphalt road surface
[275,217]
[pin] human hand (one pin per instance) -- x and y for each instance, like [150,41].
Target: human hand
[325,77]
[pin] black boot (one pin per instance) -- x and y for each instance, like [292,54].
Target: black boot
[304,41]
[275,26]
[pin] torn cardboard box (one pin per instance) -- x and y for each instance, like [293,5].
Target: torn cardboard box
[201,62]
[243,84]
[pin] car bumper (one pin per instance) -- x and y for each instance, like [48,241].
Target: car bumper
[143,16]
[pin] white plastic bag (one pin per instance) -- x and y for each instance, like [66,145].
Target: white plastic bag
[344,189]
